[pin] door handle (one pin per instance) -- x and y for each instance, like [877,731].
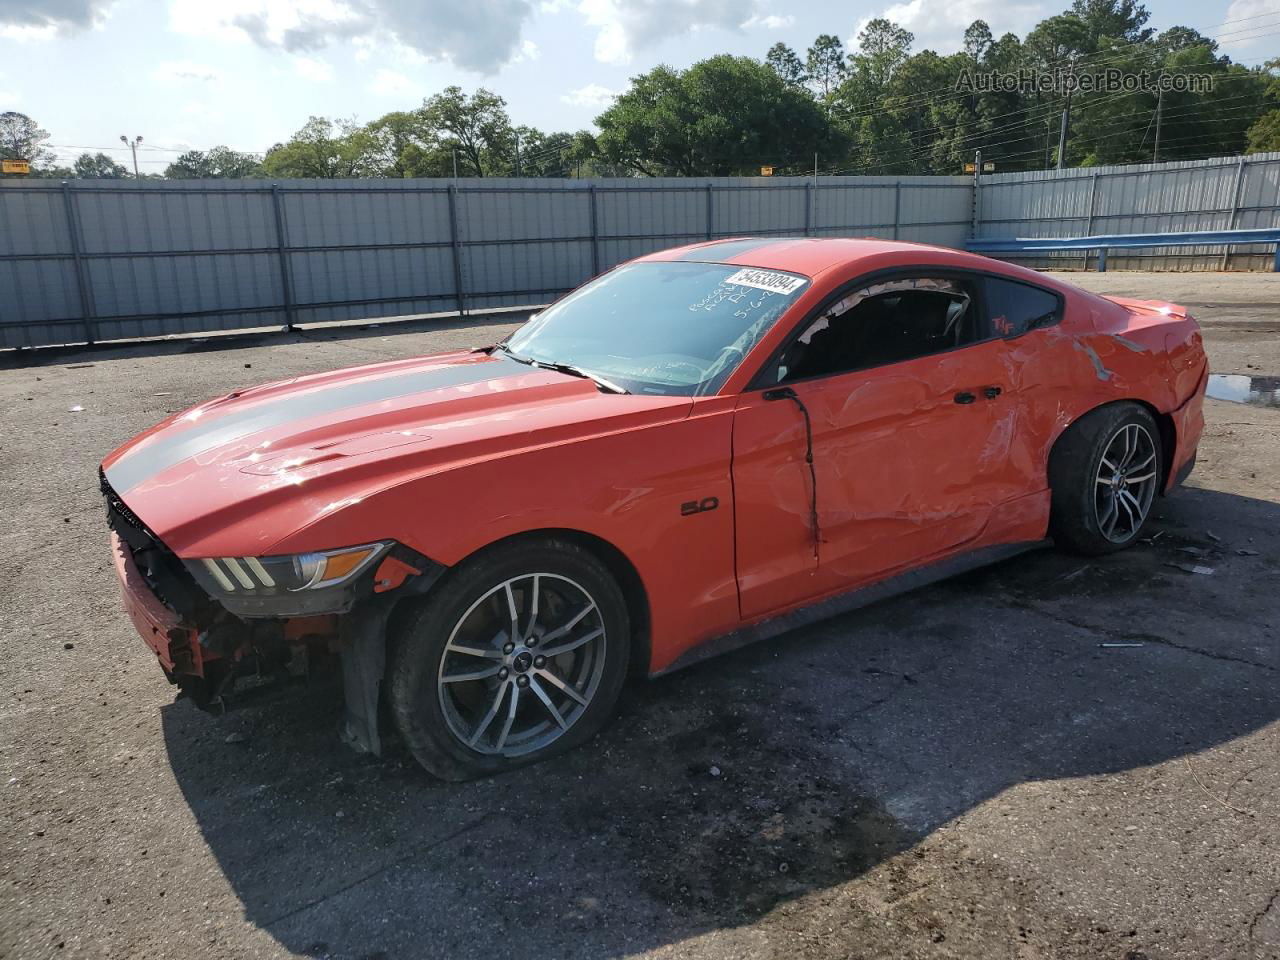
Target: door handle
[964,396]
[991,392]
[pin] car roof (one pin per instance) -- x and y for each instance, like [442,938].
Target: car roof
[809,256]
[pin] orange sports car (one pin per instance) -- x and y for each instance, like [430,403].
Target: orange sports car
[699,448]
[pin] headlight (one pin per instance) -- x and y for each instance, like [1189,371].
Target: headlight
[294,585]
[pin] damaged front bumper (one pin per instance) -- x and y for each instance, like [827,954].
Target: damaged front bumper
[205,655]
[205,649]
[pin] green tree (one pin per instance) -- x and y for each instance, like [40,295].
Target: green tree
[723,116]
[977,40]
[786,63]
[22,139]
[583,158]
[477,126]
[323,149]
[880,127]
[404,144]
[98,166]
[214,164]
[1113,20]
[824,65]
[1264,133]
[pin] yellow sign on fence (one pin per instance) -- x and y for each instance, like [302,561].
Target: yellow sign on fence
[15,166]
[766,171]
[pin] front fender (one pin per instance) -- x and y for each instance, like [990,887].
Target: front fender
[630,489]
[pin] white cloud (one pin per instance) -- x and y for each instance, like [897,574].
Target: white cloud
[27,34]
[478,35]
[309,68]
[771,22]
[171,71]
[528,51]
[592,95]
[37,19]
[624,26]
[1237,35]
[388,83]
[940,24]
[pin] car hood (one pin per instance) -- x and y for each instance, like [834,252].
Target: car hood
[249,469]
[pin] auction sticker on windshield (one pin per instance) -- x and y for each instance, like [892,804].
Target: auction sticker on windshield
[770,280]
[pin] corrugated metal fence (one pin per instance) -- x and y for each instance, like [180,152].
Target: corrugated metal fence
[87,261]
[1234,193]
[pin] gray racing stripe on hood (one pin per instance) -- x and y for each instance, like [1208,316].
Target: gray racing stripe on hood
[728,249]
[227,427]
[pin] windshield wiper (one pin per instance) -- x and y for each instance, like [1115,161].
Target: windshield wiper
[607,385]
[518,358]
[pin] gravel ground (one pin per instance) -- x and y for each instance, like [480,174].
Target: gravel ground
[961,772]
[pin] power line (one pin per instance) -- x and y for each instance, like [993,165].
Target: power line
[981,137]
[1227,116]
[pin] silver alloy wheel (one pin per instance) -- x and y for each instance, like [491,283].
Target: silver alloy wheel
[1126,483]
[522,664]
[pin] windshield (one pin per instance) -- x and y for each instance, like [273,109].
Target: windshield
[670,327]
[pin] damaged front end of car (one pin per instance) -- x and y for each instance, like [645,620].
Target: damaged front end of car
[217,622]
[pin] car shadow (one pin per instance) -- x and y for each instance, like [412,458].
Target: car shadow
[733,788]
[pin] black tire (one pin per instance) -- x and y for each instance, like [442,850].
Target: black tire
[429,712]
[1078,517]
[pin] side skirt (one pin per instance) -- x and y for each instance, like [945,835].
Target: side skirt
[852,600]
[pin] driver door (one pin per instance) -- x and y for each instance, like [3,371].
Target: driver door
[911,419]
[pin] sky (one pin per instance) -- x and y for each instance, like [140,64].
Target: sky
[186,74]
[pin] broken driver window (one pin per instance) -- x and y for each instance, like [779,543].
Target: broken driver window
[883,323]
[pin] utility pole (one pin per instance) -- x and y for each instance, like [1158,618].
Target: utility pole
[815,168]
[455,163]
[517,153]
[133,147]
[1062,130]
[975,201]
[1066,119]
[1048,152]
[1155,154]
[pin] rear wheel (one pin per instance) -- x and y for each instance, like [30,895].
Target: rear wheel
[1104,472]
[519,654]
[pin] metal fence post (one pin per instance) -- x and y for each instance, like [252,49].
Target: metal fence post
[1235,211]
[808,209]
[710,210]
[897,207]
[595,233]
[73,231]
[282,251]
[1093,192]
[457,250]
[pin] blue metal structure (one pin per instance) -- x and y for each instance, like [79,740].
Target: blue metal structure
[1125,241]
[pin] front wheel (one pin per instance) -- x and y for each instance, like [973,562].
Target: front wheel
[1104,473]
[519,654]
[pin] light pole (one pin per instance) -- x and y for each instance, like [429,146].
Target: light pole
[133,147]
